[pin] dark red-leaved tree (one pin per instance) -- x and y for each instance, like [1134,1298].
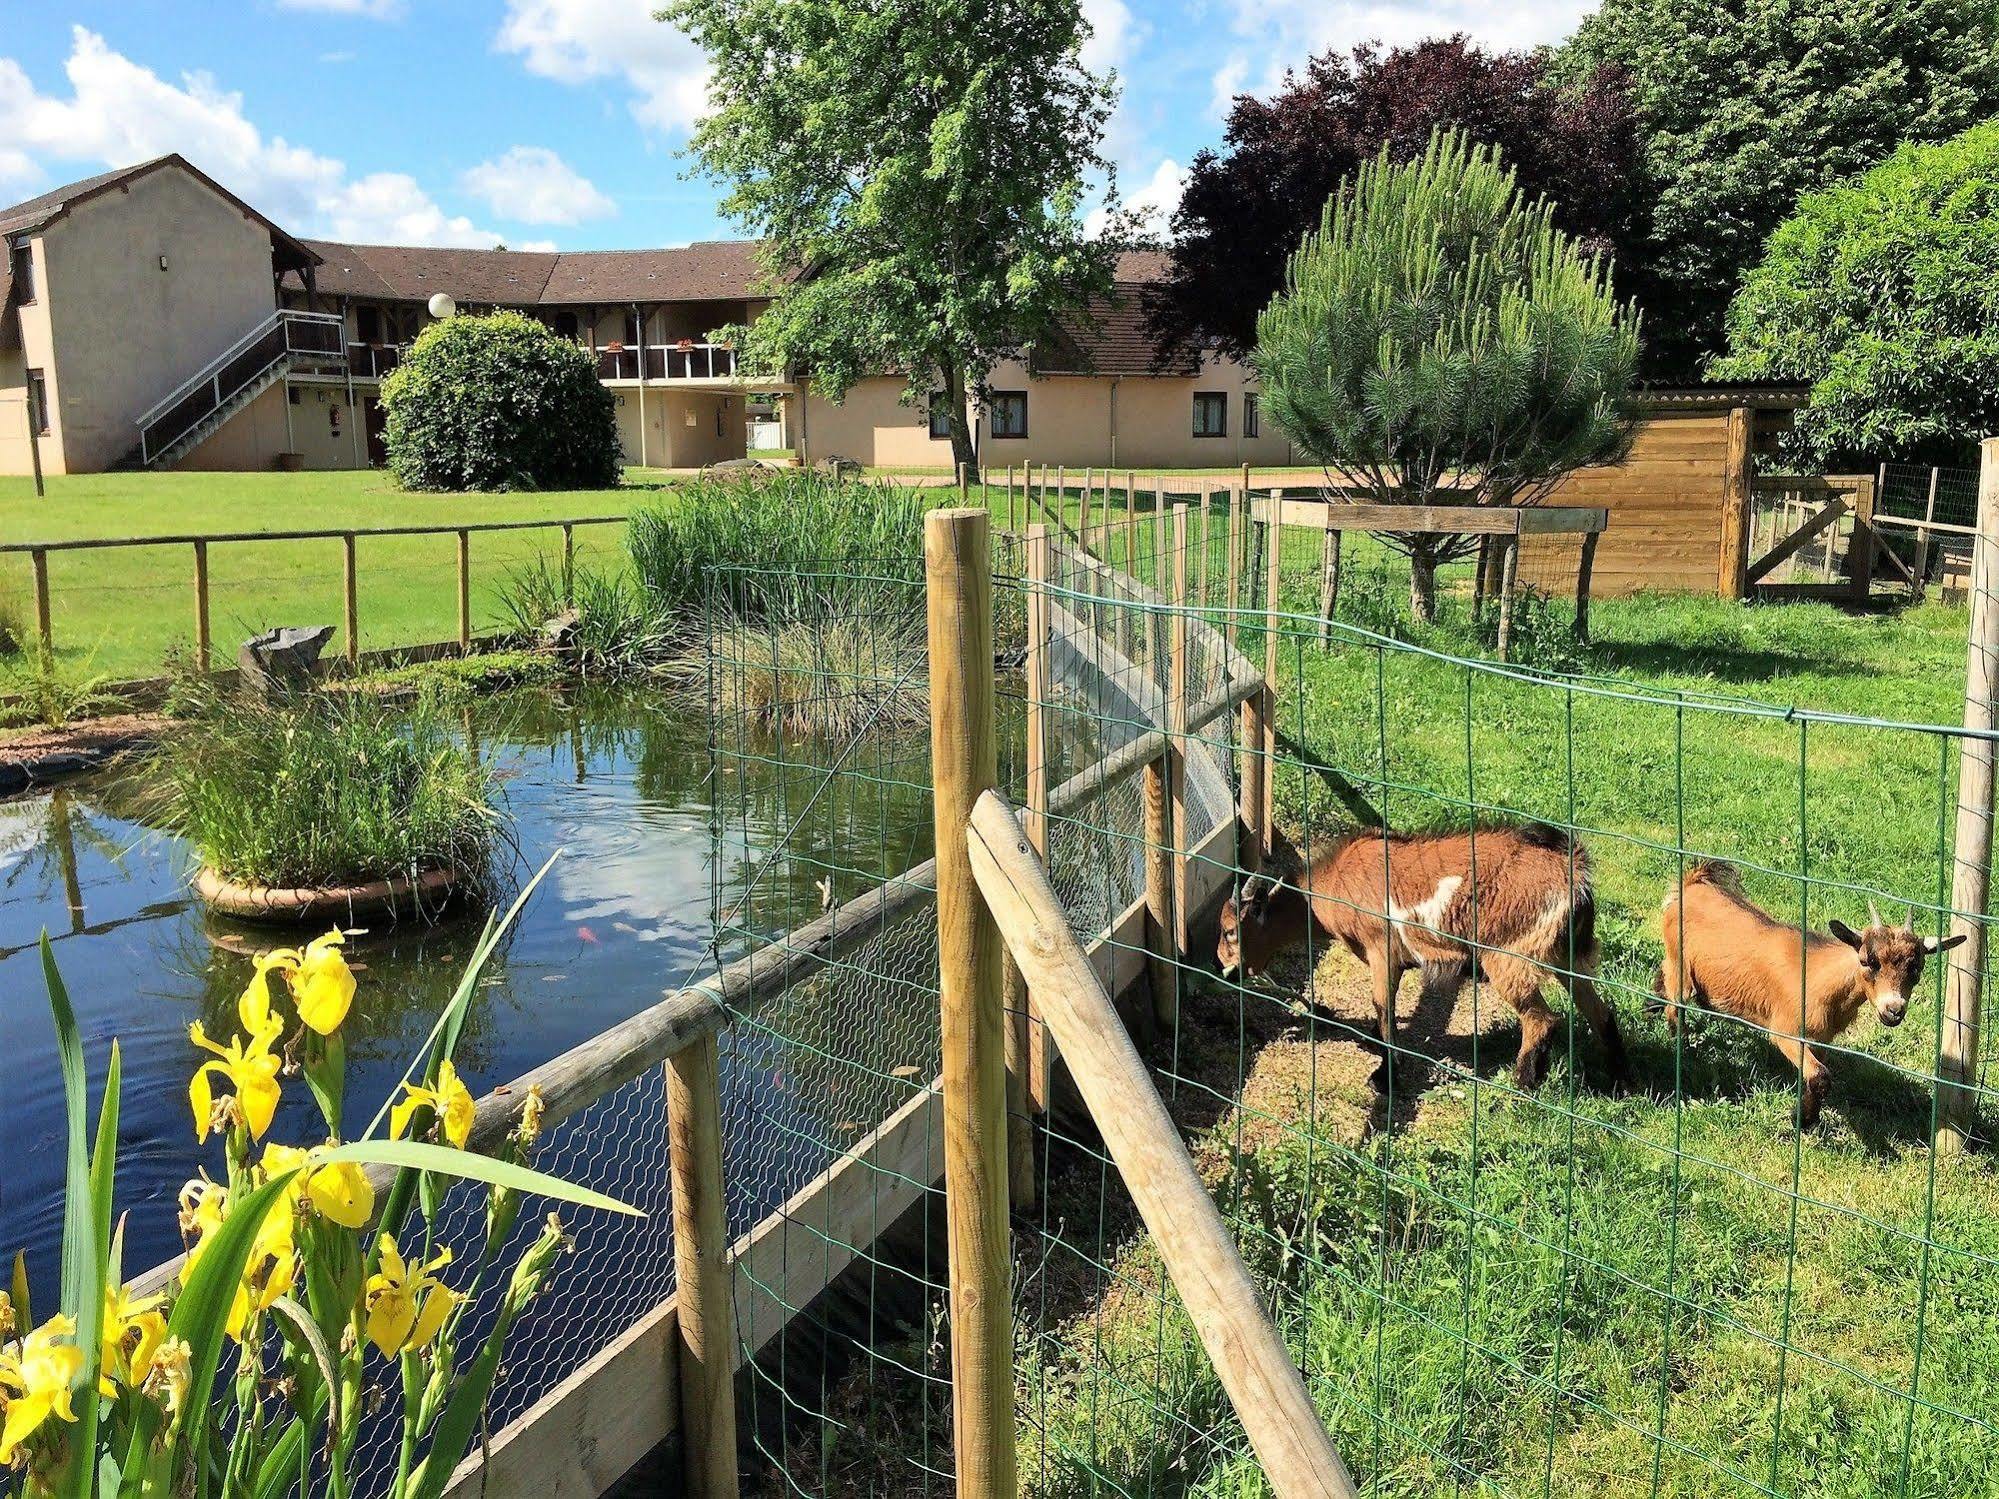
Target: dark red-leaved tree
[1247,205]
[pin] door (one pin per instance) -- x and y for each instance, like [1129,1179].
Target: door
[371,427]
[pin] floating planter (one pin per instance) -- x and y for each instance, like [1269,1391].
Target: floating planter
[423,895]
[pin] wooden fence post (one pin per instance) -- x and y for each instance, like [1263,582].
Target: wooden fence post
[350,603]
[1585,565]
[464,590]
[1509,579]
[1738,492]
[1267,812]
[201,636]
[704,1307]
[1238,506]
[568,565]
[1971,862]
[964,484]
[1860,560]
[1923,536]
[1177,666]
[1039,1050]
[45,630]
[964,765]
[1329,574]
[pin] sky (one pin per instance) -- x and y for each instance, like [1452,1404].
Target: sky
[559,123]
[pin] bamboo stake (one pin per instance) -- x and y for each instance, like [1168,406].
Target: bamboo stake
[703,1280]
[1235,541]
[964,766]
[1176,734]
[1971,861]
[1249,1357]
[464,590]
[201,636]
[1509,578]
[568,565]
[1089,493]
[1267,813]
[1039,1050]
[350,604]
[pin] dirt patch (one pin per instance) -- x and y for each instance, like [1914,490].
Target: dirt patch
[36,756]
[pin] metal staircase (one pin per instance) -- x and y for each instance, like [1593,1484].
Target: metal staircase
[203,402]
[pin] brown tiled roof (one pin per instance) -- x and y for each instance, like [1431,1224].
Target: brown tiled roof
[1112,338]
[35,212]
[710,271]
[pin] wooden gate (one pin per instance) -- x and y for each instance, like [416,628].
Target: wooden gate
[1811,536]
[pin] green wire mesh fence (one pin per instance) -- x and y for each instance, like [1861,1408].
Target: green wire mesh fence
[1660,1285]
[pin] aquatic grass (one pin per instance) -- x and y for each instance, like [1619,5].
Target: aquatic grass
[829,676]
[46,689]
[620,629]
[332,790]
[816,544]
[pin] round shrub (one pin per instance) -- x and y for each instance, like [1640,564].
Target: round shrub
[498,402]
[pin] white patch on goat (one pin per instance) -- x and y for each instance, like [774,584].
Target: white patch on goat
[1549,926]
[1429,914]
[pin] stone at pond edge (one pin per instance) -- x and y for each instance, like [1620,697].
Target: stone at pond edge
[834,465]
[282,662]
[559,631]
[426,895]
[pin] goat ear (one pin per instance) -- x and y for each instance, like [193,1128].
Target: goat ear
[1845,933]
[1931,945]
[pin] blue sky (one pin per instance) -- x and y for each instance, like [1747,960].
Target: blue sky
[554,122]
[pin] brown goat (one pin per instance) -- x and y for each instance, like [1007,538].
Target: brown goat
[1797,987]
[1515,900]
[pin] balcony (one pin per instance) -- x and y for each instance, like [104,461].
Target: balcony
[372,361]
[668,362]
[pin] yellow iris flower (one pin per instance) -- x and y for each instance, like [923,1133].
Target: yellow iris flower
[407,1304]
[134,1328]
[340,1192]
[36,1375]
[272,1267]
[170,1373]
[322,984]
[253,1006]
[250,1067]
[450,1101]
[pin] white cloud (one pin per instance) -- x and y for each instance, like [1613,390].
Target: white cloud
[1283,33]
[533,185]
[119,112]
[1113,34]
[579,41]
[1228,82]
[1153,203]
[374,10]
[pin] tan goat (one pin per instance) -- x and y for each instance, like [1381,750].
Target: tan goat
[1797,987]
[1515,900]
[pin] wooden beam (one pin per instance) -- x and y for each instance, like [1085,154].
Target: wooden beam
[201,634]
[706,1353]
[350,604]
[1457,520]
[1738,483]
[963,767]
[1249,1357]
[1796,542]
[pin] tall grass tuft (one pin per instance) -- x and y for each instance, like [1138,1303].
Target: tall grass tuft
[834,677]
[332,790]
[46,690]
[620,631]
[819,546]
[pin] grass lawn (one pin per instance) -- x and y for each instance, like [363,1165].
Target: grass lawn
[119,611]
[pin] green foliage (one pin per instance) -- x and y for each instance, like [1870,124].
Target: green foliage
[620,630]
[1444,343]
[1884,294]
[335,790]
[1745,107]
[925,162]
[498,402]
[835,677]
[820,546]
[49,690]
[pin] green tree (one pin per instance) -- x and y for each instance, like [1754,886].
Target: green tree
[498,402]
[1746,105]
[1442,343]
[1884,294]
[920,165]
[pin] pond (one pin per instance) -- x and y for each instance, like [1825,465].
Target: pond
[618,781]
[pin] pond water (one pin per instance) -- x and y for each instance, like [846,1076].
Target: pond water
[619,782]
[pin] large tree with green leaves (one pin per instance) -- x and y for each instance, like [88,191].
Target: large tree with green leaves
[916,170]
[1746,105]
[1884,294]
[1440,342]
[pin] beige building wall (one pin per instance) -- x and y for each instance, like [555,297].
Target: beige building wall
[145,284]
[322,428]
[1097,421]
[37,352]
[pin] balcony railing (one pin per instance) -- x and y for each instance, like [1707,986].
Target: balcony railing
[675,361]
[372,361]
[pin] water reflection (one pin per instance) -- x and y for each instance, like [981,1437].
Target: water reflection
[619,782]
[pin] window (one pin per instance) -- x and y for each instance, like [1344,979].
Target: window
[368,324]
[940,419]
[1008,410]
[1252,417]
[565,325]
[38,401]
[1211,413]
[23,260]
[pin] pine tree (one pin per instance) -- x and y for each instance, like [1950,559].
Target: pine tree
[1442,343]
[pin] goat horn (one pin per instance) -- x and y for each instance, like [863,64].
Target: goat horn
[1873,912]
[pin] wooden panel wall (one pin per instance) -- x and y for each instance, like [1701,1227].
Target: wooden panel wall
[1665,511]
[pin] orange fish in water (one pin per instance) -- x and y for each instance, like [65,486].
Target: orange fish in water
[584,934]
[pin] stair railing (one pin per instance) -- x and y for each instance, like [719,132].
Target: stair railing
[282,336]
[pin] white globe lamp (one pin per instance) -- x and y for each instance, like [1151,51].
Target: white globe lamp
[441,305]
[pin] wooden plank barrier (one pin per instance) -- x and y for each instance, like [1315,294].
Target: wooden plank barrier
[1249,1356]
